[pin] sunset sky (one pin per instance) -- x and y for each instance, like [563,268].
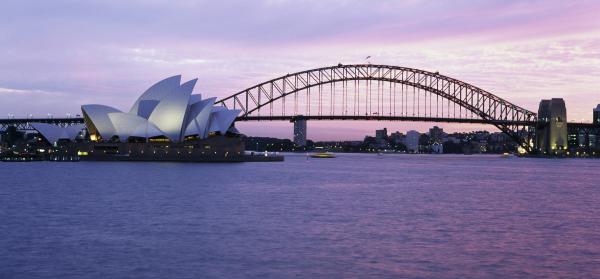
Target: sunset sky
[57,55]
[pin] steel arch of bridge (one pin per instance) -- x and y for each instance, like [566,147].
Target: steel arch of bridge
[483,106]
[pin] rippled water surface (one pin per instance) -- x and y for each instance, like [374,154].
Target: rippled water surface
[354,216]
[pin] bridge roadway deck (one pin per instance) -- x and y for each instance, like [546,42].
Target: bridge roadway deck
[23,123]
[384,118]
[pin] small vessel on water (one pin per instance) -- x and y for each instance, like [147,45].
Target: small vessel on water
[322,155]
[506,155]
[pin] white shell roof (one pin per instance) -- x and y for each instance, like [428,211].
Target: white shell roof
[221,119]
[213,125]
[145,108]
[200,116]
[170,114]
[130,125]
[195,99]
[74,130]
[98,114]
[165,109]
[156,92]
[147,130]
[53,133]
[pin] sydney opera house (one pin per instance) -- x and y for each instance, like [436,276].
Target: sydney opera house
[166,123]
[166,112]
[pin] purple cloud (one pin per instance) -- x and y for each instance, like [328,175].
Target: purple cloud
[57,55]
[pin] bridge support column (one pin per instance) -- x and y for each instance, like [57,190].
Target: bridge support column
[299,131]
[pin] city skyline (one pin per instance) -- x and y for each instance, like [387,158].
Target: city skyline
[300,138]
[60,55]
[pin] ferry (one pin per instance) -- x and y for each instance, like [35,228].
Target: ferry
[322,155]
[506,155]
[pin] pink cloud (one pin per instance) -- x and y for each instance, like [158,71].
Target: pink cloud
[111,51]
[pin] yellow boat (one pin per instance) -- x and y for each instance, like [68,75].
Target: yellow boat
[322,155]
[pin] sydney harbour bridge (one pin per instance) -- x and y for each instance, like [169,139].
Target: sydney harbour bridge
[368,92]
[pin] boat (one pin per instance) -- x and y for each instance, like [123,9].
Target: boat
[505,155]
[322,155]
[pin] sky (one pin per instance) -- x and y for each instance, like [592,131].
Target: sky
[58,55]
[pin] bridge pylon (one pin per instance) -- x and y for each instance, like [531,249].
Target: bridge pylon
[299,130]
[551,129]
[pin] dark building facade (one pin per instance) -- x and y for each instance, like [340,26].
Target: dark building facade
[381,134]
[436,134]
[585,138]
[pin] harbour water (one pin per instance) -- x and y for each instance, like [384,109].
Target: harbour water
[358,215]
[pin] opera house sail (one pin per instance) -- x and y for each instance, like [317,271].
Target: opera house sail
[53,134]
[166,123]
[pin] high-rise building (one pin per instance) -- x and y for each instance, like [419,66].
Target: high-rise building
[436,134]
[381,134]
[412,141]
[299,132]
[596,137]
[396,137]
[551,132]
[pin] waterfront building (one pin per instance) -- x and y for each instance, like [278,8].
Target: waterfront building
[436,134]
[573,138]
[594,139]
[551,133]
[11,136]
[452,139]
[585,138]
[166,123]
[166,112]
[396,138]
[437,148]
[412,141]
[373,143]
[473,147]
[381,134]
[499,143]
